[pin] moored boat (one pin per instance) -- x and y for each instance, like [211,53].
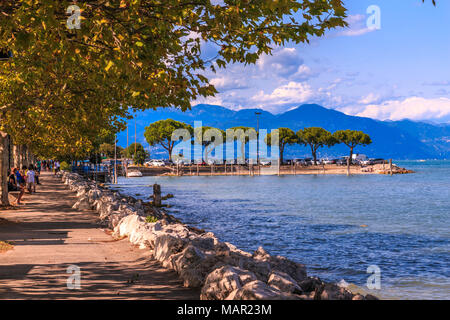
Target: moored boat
[134,174]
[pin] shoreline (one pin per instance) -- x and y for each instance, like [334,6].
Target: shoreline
[219,269]
[241,170]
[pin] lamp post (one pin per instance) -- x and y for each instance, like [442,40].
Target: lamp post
[115,159]
[257,136]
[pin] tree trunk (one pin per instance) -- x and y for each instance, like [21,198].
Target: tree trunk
[22,157]
[16,156]
[4,157]
[314,154]
[351,155]
[281,154]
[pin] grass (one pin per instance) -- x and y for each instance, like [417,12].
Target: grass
[151,219]
[5,246]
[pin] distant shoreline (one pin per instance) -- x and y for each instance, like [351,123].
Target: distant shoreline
[243,170]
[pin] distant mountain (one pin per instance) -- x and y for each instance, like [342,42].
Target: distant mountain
[391,139]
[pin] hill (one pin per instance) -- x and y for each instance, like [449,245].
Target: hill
[391,139]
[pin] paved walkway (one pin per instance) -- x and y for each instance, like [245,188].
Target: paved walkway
[49,236]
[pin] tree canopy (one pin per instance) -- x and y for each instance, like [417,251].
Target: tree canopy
[352,139]
[136,152]
[315,138]
[286,137]
[209,138]
[140,53]
[160,133]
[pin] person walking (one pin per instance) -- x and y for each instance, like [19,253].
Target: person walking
[31,179]
[38,171]
[20,183]
[57,166]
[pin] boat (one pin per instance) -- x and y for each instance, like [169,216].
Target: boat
[134,174]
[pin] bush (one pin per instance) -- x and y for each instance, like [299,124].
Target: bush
[65,166]
[151,219]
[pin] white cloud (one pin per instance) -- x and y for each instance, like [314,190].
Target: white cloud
[356,26]
[227,82]
[216,100]
[284,62]
[414,108]
[370,98]
[293,92]
[303,73]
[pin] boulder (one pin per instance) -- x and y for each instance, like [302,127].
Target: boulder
[331,291]
[256,290]
[296,270]
[311,284]
[167,245]
[284,282]
[82,204]
[204,242]
[94,194]
[223,281]
[192,265]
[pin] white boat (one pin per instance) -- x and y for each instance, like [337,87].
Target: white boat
[134,174]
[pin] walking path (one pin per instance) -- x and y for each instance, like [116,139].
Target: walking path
[49,236]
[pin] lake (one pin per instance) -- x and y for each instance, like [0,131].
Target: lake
[337,226]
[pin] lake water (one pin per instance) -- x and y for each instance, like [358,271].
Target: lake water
[336,225]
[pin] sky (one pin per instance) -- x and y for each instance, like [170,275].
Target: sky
[400,70]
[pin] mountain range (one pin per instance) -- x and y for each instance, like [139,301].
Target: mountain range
[404,139]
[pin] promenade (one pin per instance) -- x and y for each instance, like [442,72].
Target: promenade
[48,236]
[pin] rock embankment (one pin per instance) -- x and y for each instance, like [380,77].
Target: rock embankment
[222,271]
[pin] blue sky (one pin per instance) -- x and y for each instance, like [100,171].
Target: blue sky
[399,71]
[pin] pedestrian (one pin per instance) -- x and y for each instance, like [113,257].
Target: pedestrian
[37,171]
[57,166]
[12,184]
[20,182]
[30,179]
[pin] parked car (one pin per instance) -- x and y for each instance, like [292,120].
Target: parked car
[342,161]
[155,163]
[328,161]
[379,161]
[181,162]
[367,162]
[264,162]
[212,161]
[301,162]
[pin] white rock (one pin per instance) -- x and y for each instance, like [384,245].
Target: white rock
[221,282]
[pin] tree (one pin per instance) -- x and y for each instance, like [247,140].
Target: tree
[109,149]
[136,152]
[160,133]
[286,137]
[315,138]
[212,142]
[352,139]
[243,135]
[4,168]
